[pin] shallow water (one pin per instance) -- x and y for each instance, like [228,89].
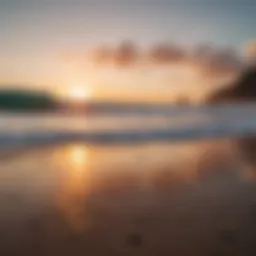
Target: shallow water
[127,126]
[137,120]
[176,198]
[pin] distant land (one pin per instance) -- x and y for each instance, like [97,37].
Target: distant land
[23,100]
[243,90]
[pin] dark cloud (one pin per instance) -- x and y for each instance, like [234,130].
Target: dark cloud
[127,53]
[166,53]
[216,60]
[124,55]
[207,58]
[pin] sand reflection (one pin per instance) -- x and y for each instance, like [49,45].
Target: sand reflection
[74,162]
[150,199]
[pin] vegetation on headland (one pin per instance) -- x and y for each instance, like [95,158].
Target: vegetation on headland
[243,90]
[24,100]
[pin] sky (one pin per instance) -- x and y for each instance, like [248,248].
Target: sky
[34,34]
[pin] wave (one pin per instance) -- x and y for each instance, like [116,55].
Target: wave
[238,128]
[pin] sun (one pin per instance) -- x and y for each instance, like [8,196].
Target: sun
[79,93]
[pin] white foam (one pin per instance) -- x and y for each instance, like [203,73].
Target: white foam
[177,124]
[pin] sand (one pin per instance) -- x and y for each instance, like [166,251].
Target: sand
[194,198]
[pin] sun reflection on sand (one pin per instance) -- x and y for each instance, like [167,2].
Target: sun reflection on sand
[77,156]
[74,161]
[109,173]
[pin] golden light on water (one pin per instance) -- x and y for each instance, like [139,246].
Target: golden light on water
[78,156]
[74,161]
[72,158]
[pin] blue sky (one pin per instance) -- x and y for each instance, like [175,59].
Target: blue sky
[226,22]
[33,31]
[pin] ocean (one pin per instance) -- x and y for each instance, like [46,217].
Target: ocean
[165,123]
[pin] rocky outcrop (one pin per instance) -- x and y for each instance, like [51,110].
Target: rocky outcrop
[243,90]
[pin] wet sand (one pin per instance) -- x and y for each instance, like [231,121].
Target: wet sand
[195,198]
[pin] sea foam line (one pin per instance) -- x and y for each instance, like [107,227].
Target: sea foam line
[208,131]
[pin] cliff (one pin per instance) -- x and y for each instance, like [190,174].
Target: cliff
[242,90]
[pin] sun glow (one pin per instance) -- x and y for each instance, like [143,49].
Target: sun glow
[78,93]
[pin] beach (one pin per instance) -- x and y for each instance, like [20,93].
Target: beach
[127,128]
[154,198]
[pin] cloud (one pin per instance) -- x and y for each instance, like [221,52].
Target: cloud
[127,53]
[217,60]
[208,59]
[123,55]
[160,64]
[101,55]
[166,53]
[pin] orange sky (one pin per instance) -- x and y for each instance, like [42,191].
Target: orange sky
[35,33]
